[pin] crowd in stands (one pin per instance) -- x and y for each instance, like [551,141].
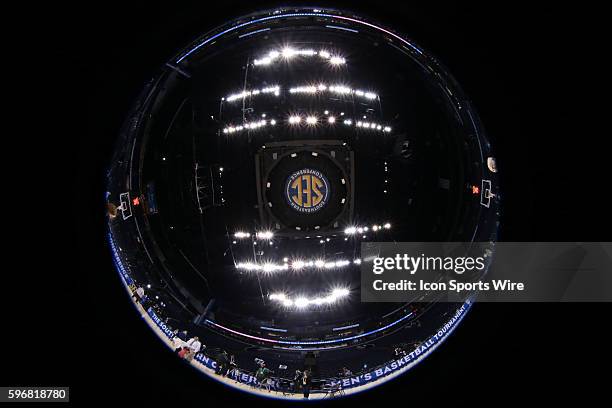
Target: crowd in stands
[187,348]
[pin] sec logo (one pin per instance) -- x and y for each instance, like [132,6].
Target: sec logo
[307,190]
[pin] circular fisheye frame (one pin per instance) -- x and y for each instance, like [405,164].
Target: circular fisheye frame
[251,171]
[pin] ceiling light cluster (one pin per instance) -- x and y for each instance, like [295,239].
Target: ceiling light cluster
[288,53]
[241,95]
[352,230]
[263,235]
[311,120]
[249,126]
[373,126]
[296,119]
[336,89]
[304,89]
[303,302]
[266,267]
[296,265]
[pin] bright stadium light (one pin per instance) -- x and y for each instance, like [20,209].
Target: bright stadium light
[265,235]
[311,120]
[331,119]
[267,267]
[270,267]
[249,125]
[288,52]
[338,89]
[354,229]
[295,265]
[271,89]
[254,92]
[263,61]
[303,89]
[294,119]
[249,266]
[278,296]
[303,302]
[340,292]
[233,97]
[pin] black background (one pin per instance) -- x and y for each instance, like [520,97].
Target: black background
[532,73]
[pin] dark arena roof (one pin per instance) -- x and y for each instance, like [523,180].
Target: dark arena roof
[254,166]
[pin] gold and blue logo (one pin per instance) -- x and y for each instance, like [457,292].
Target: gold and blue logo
[307,190]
